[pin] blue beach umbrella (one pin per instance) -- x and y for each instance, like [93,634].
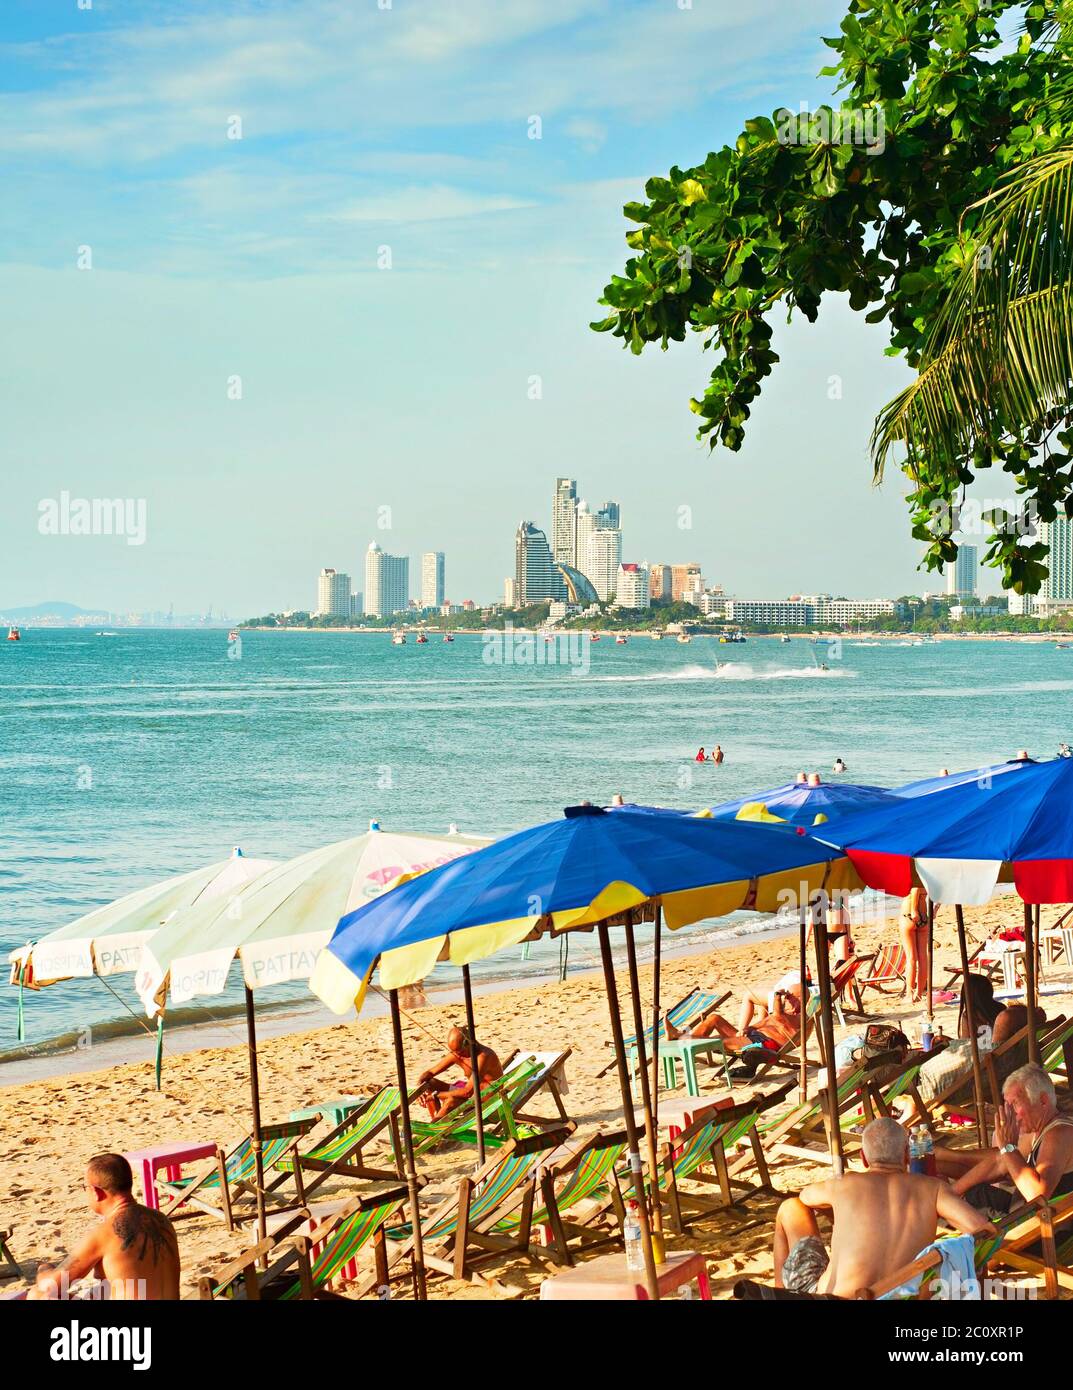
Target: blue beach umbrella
[926,785]
[802,804]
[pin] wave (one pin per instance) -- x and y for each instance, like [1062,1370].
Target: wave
[743,671]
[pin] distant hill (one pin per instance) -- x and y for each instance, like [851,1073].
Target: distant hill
[53,608]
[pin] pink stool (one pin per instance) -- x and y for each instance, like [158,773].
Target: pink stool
[607,1278]
[171,1158]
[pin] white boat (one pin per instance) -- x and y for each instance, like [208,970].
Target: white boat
[684,637]
[447,637]
[656,636]
[784,639]
[399,639]
[421,639]
[620,641]
[232,636]
[14,635]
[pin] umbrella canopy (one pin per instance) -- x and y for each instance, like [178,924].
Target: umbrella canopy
[802,804]
[927,785]
[964,839]
[578,871]
[109,940]
[278,925]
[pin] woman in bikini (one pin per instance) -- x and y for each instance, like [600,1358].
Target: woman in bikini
[913,929]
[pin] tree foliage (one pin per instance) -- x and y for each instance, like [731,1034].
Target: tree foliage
[938,196]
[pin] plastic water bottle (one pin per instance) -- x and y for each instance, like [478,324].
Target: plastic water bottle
[916,1158]
[926,1146]
[631,1232]
[927,1037]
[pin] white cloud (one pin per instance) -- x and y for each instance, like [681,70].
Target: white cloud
[427,203]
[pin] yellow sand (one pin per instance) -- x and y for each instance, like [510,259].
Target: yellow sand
[49,1128]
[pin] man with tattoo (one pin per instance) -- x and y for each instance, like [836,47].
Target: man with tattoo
[132,1248]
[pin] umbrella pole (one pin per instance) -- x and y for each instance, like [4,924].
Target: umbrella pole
[646,1095]
[970,1019]
[475,1074]
[803,1041]
[823,973]
[627,1110]
[408,1146]
[255,1104]
[931,959]
[159,1048]
[657,953]
[1031,985]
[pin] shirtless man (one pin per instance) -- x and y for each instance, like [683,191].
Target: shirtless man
[440,1097]
[883,1219]
[778,1025]
[1033,1153]
[132,1248]
[757,1004]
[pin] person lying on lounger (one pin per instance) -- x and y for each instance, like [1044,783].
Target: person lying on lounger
[774,1029]
[883,1219]
[132,1249]
[757,1003]
[440,1097]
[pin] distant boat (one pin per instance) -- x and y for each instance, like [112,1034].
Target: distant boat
[620,641]
[594,637]
[14,635]
[684,637]
[784,639]
[447,637]
[1064,646]
[232,636]
[399,639]
[421,639]
[656,636]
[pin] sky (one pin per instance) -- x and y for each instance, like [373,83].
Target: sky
[299,277]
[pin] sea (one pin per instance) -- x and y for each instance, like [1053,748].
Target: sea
[129,756]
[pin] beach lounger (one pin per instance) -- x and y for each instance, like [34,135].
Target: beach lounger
[235,1173]
[9,1268]
[844,988]
[886,971]
[459,1126]
[694,1008]
[459,1235]
[339,1153]
[1040,1228]
[576,1193]
[550,1076]
[313,1259]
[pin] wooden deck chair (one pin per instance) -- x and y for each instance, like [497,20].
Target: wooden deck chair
[235,1173]
[693,1008]
[9,1268]
[314,1259]
[786,1055]
[340,1152]
[910,1282]
[575,1194]
[791,1131]
[844,988]
[1056,1052]
[550,1076]
[459,1126]
[1033,1245]
[459,1235]
[886,971]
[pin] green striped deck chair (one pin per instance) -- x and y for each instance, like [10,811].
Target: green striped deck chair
[316,1258]
[459,1235]
[340,1152]
[235,1173]
[694,1008]
[1056,1051]
[497,1110]
[582,1184]
[1024,1246]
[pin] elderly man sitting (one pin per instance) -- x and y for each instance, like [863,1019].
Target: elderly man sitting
[1033,1149]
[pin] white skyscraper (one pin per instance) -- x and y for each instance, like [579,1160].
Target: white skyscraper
[1057,535]
[584,530]
[333,594]
[564,507]
[961,575]
[605,557]
[432,579]
[387,583]
[631,586]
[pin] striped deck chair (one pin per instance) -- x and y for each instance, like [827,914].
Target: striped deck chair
[1025,1247]
[1056,1051]
[886,970]
[459,1235]
[549,1076]
[313,1263]
[9,1268]
[235,1173]
[340,1152]
[582,1184]
[459,1126]
[694,1008]
[844,988]
[794,1132]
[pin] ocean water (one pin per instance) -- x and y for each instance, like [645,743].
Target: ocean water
[127,758]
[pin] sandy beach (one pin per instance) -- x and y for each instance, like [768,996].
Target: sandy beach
[49,1128]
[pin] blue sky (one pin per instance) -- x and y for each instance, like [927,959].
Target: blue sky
[408,388]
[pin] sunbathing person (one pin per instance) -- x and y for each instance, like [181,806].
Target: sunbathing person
[133,1249]
[779,1026]
[441,1097]
[756,1004]
[1033,1152]
[883,1219]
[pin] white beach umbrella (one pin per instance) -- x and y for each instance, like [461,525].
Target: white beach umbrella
[278,925]
[109,940]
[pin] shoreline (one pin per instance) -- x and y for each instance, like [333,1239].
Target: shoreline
[909,637]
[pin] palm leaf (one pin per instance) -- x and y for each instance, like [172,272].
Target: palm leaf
[1000,354]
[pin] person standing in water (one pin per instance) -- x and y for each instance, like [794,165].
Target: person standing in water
[701,757]
[717,754]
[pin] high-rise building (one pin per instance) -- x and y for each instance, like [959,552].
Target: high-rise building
[604,558]
[659,581]
[536,578]
[357,605]
[962,574]
[333,594]
[685,579]
[387,583]
[609,517]
[584,530]
[432,579]
[563,542]
[509,593]
[631,586]
[1057,536]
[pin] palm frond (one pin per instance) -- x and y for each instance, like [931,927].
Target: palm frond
[1000,354]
